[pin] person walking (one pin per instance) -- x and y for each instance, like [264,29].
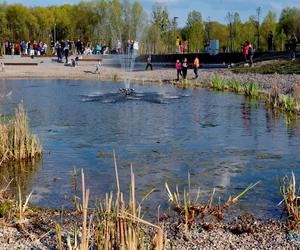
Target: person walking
[184,68]
[149,63]
[196,66]
[270,41]
[178,69]
[66,51]
[245,50]
[98,67]
[59,52]
[250,54]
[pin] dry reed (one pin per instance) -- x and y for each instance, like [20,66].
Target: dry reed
[16,141]
[189,209]
[291,201]
[115,223]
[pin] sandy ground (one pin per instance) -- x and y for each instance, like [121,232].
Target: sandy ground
[85,70]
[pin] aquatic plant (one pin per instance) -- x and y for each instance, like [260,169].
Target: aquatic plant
[184,84]
[115,77]
[189,210]
[236,86]
[113,224]
[120,226]
[288,103]
[274,96]
[16,141]
[291,200]
[251,89]
[219,84]
[296,95]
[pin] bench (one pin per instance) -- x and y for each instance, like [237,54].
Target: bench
[20,64]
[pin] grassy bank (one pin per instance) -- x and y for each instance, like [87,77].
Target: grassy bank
[272,67]
[274,98]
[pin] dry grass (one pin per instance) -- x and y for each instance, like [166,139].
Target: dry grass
[296,95]
[114,223]
[16,141]
[291,201]
[190,209]
[121,226]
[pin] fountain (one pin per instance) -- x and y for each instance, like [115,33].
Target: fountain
[127,91]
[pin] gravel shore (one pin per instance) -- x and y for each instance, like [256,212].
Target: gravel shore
[85,71]
[38,232]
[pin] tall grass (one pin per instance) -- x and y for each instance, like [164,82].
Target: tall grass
[251,89]
[121,226]
[114,223]
[219,84]
[291,200]
[288,103]
[16,141]
[190,208]
[296,95]
[236,86]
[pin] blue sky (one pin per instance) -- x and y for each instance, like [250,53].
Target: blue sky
[215,9]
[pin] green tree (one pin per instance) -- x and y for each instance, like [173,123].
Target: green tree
[20,22]
[194,28]
[289,21]
[44,17]
[268,25]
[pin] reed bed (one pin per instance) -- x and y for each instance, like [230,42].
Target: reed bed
[191,209]
[16,141]
[289,103]
[291,201]
[113,224]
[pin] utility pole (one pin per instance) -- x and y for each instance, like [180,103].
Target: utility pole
[257,27]
[175,18]
[54,34]
[208,28]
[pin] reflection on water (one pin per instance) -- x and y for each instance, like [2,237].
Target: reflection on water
[18,174]
[224,140]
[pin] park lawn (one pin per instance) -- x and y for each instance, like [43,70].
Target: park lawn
[271,67]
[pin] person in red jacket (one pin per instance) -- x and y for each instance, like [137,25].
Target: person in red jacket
[245,50]
[178,69]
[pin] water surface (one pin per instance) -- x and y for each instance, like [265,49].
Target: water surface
[224,140]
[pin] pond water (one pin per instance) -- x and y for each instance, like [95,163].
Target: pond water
[224,140]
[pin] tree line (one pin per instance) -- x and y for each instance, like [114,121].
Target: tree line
[106,21]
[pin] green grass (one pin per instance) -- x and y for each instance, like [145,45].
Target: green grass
[219,84]
[271,67]
[251,89]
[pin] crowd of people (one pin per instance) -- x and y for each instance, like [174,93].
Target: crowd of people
[25,48]
[40,47]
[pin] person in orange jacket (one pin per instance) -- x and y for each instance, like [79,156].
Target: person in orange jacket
[196,66]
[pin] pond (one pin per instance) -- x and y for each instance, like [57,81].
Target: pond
[223,140]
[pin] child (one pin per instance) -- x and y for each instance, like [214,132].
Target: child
[178,68]
[98,66]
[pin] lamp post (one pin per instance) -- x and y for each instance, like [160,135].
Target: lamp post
[54,34]
[175,18]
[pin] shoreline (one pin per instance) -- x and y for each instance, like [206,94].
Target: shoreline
[38,229]
[85,71]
